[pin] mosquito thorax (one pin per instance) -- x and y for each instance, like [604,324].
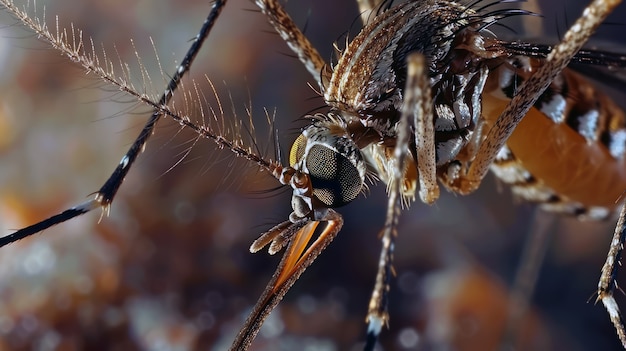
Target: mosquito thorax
[370,77]
[326,153]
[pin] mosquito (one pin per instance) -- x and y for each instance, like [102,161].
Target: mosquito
[182,212]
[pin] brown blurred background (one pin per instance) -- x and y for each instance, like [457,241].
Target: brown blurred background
[169,269]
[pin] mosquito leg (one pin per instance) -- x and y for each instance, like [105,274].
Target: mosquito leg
[533,255]
[532,28]
[416,94]
[296,40]
[425,140]
[608,278]
[369,9]
[104,197]
[529,92]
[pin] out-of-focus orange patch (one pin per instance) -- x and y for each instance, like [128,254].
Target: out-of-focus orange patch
[21,213]
[7,130]
[108,280]
[469,310]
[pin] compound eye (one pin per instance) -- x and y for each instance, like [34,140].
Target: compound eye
[335,178]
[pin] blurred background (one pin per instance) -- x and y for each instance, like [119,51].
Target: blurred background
[169,268]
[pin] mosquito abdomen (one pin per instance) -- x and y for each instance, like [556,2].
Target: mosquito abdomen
[568,151]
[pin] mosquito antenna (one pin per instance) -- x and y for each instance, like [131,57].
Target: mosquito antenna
[104,196]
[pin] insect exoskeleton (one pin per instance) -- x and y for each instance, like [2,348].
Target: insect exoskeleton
[368,82]
[568,151]
[326,152]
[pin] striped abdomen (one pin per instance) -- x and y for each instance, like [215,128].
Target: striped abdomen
[568,152]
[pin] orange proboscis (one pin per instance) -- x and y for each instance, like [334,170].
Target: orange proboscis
[295,252]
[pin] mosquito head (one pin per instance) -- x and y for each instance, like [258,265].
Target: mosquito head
[328,168]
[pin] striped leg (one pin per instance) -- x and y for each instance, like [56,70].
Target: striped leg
[105,195]
[608,278]
[417,104]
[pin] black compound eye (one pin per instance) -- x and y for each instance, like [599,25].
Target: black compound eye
[336,180]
